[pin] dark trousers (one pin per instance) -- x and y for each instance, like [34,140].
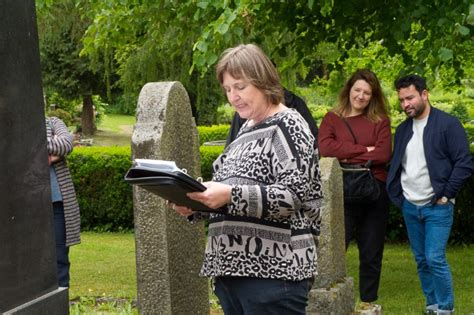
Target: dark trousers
[62,251]
[249,296]
[367,223]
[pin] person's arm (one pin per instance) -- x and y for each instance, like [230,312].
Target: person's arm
[330,144]
[60,144]
[382,149]
[461,158]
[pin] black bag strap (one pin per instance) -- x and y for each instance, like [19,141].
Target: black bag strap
[350,129]
[369,162]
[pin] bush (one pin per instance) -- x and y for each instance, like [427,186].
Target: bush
[459,110]
[225,113]
[396,230]
[318,112]
[462,231]
[470,132]
[105,199]
[212,133]
[208,155]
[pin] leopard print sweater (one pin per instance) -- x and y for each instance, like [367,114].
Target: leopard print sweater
[274,213]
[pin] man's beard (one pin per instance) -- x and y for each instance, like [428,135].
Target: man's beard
[416,111]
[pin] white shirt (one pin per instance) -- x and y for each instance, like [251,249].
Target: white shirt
[415,178]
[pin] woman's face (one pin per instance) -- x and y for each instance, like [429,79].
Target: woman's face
[248,101]
[359,96]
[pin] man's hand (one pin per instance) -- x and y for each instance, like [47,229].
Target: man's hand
[442,201]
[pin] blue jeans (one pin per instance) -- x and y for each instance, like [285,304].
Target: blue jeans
[428,230]
[245,295]
[62,251]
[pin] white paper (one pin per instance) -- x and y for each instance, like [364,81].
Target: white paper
[161,165]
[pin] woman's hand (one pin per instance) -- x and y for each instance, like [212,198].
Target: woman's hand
[369,149]
[215,196]
[53,159]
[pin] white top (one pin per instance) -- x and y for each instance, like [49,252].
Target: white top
[415,178]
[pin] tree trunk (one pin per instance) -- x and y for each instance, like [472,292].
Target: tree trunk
[87,116]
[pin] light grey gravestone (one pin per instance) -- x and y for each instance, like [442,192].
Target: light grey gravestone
[332,291]
[28,283]
[169,250]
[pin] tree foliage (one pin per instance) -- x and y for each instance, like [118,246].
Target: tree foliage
[292,31]
[150,40]
[61,28]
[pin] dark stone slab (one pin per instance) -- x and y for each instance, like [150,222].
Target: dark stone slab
[53,303]
[27,251]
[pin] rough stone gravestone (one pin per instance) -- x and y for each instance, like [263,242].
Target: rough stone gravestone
[332,292]
[169,250]
[28,283]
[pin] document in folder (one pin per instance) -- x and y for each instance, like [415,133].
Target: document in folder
[167,180]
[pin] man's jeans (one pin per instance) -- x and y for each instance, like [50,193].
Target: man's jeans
[428,229]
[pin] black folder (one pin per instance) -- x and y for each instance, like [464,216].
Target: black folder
[170,184]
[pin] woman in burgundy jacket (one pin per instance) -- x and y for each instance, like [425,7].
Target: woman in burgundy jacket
[364,108]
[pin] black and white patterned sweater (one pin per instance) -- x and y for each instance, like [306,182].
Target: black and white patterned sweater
[274,212]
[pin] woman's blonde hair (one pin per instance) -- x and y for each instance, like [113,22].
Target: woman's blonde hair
[377,107]
[250,63]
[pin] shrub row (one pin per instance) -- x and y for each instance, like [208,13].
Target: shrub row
[212,133]
[105,198]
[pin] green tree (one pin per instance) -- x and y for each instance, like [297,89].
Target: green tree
[181,40]
[296,29]
[152,41]
[61,28]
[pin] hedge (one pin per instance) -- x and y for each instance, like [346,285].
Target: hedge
[105,198]
[212,133]
[208,155]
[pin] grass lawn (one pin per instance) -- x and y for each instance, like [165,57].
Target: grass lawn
[400,290]
[113,130]
[103,269]
[103,265]
[117,123]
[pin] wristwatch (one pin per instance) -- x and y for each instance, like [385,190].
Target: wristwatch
[444,199]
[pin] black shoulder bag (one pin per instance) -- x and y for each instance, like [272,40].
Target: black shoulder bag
[360,186]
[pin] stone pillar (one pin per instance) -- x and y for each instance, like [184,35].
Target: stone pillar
[169,250]
[332,292]
[28,283]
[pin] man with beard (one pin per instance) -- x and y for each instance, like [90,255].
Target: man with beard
[431,161]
